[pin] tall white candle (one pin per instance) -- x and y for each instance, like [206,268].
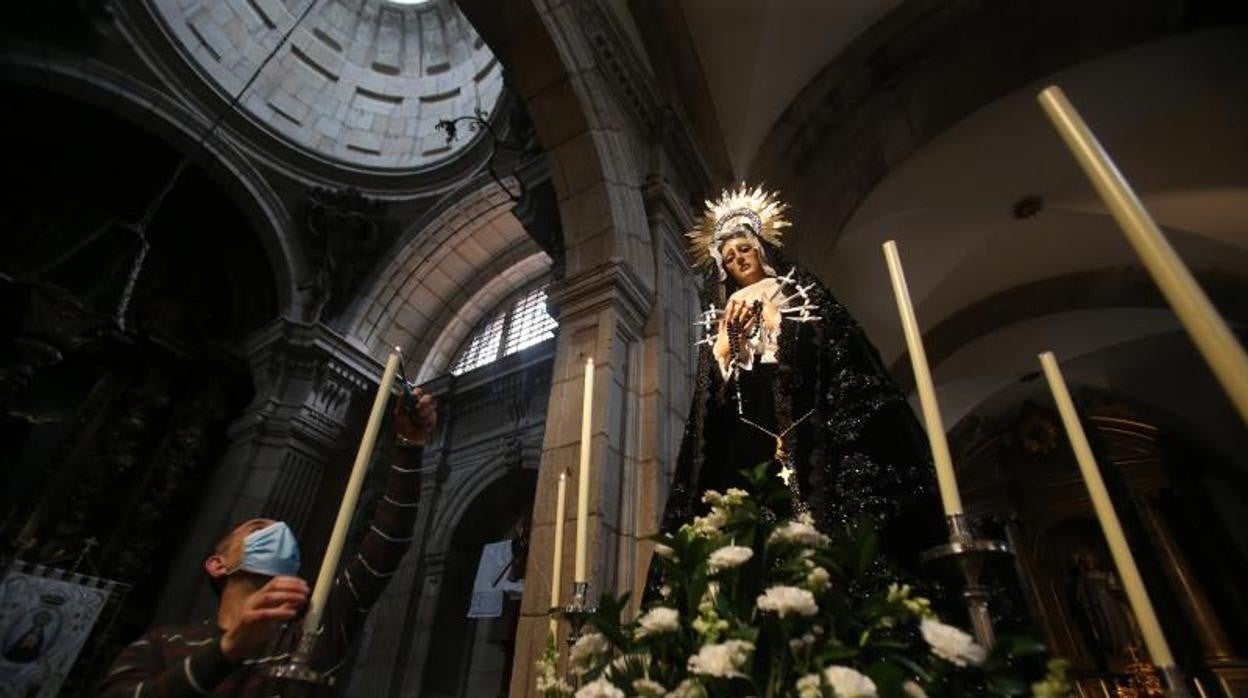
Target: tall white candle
[329,565]
[582,478]
[1210,333]
[945,478]
[1150,628]
[556,569]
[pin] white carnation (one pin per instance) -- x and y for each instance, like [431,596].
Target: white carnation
[659,620]
[724,659]
[951,644]
[728,557]
[809,686]
[785,600]
[710,524]
[848,683]
[712,497]
[589,645]
[797,533]
[600,688]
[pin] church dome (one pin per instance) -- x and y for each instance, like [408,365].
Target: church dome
[361,83]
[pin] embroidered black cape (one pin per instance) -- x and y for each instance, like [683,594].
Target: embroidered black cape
[860,454]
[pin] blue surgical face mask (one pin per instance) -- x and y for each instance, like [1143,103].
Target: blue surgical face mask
[272,551]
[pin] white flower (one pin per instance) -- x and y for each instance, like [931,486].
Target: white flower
[689,688]
[735,496]
[848,683]
[797,533]
[665,591]
[600,688]
[783,600]
[648,688]
[550,684]
[710,524]
[818,579]
[809,686]
[590,645]
[724,659]
[712,497]
[913,690]
[728,557]
[659,620]
[664,551]
[951,644]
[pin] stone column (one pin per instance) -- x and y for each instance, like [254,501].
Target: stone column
[312,387]
[601,313]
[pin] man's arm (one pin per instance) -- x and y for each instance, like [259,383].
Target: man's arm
[143,671]
[389,533]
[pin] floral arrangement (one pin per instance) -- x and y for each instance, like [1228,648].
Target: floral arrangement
[753,605]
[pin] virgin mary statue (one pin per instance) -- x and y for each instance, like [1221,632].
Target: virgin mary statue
[786,377]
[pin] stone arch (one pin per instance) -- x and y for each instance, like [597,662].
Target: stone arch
[462,497]
[921,69]
[595,159]
[1127,287]
[429,286]
[505,278]
[109,89]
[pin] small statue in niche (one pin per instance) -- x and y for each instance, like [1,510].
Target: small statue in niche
[345,232]
[1101,601]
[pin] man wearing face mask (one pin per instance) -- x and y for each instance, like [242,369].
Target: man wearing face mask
[255,568]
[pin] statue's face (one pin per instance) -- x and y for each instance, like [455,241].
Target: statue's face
[742,260]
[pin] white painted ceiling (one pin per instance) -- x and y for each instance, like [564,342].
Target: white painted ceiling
[1173,115]
[757,55]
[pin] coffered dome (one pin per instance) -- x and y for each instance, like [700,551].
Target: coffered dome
[360,82]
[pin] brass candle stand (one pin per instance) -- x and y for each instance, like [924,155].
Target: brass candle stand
[965,557]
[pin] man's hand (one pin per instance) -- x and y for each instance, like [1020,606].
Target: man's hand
[276,602]
[415,415]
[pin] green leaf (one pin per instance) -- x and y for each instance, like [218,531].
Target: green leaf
[888,678]
[1018,646]
[1006,685]
[912,666]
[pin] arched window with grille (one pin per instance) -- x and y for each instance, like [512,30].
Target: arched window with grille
[518,323]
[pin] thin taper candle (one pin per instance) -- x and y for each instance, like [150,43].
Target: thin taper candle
[945,478]
[556,570]
[333,552]
[1150,628]
[1209,332]
[582,478]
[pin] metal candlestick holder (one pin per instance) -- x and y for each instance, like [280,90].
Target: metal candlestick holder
[1176,682]
[965,556]
[576,613]
[297,668]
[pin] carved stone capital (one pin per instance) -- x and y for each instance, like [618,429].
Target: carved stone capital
[306,377]
[613,285]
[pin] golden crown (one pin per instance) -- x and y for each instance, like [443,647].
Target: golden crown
[755,210]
